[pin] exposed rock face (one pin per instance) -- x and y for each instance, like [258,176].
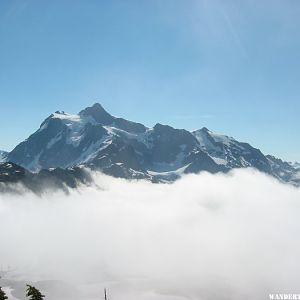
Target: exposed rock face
[42,181]
[121,148]
[3,156]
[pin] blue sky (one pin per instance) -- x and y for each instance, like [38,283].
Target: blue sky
[232,66]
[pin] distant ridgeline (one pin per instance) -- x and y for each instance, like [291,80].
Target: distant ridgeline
[64,145]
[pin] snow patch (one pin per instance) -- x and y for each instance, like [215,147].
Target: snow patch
[53,141]
[179,172]
[8,291]
[65,116]
[143,138]
[91,152]
[34,165]
[219,160]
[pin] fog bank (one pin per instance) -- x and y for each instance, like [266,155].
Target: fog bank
[233,236]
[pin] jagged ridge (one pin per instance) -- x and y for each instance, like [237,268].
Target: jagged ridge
[121,148]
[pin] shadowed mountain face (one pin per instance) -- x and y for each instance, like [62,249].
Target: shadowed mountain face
[42,181]
[3,156]
[121,148]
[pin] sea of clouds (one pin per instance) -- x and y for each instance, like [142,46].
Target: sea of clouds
[224,236]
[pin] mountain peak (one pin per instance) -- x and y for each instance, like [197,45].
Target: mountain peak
[97,105]
[159,126]
[60,112]
[98,113]
[205,129]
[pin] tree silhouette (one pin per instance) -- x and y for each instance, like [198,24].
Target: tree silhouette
[33,294]
[105,295]
[2,294]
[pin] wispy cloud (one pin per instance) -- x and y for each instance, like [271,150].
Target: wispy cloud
[233,31]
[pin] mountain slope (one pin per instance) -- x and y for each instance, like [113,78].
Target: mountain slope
[229,152]
[3,155]
[64,140]
[234,154]
[42,181]
[122,148]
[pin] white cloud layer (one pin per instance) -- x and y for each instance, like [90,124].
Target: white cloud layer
[233,236]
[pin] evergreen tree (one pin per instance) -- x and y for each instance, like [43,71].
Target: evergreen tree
[105,295]
[33,294]
[2,294]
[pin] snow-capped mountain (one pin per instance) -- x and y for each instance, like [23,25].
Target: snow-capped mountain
[122,148]
[285,171]
[229,152]
[114,145]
